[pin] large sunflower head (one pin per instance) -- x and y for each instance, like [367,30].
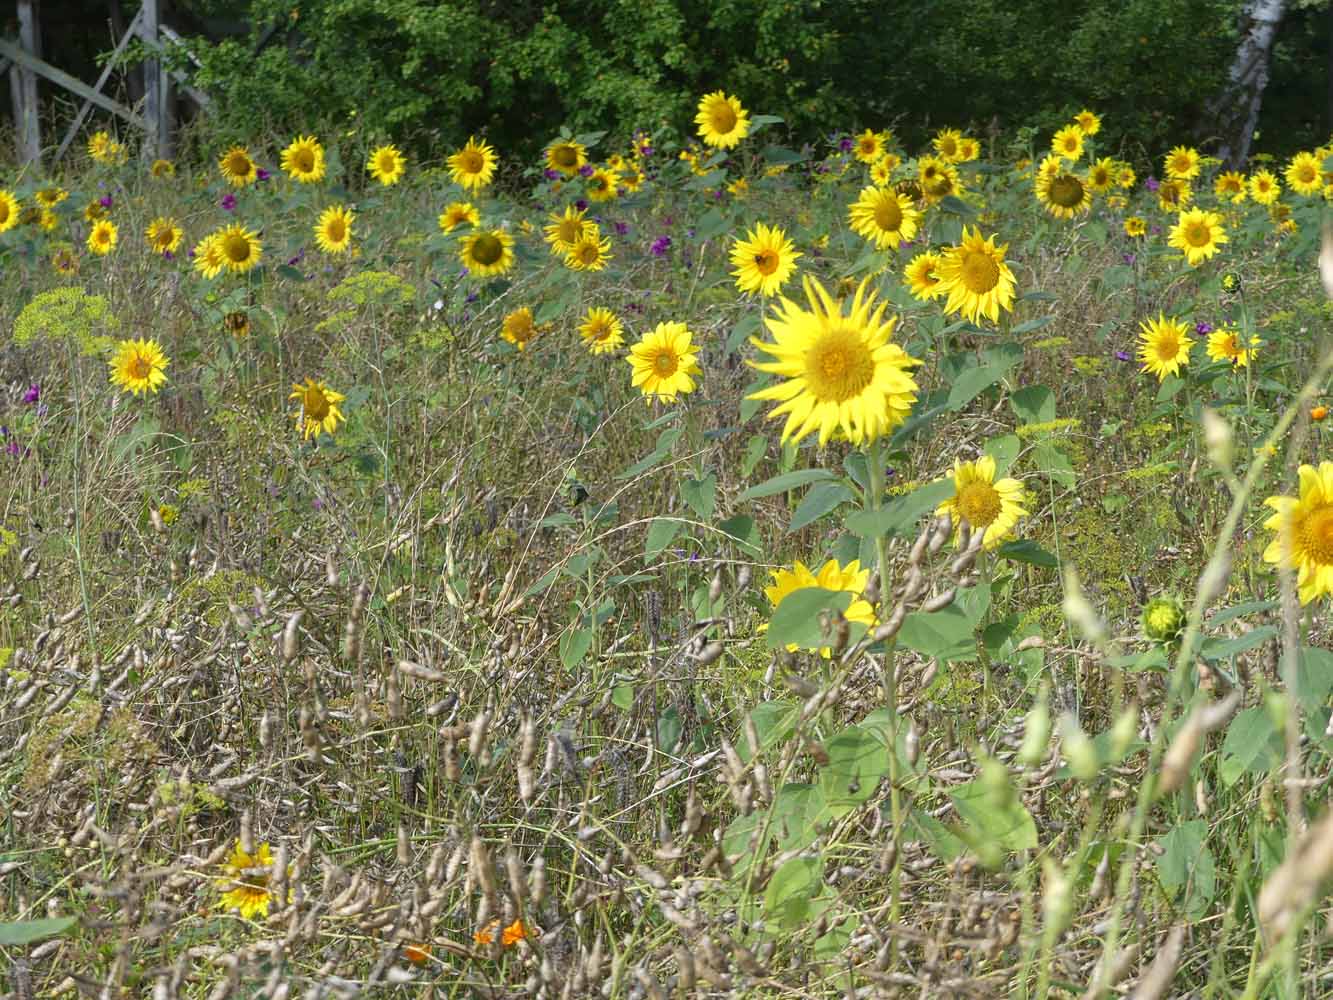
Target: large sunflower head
[1228,345]
[1136,226]
[487,252]
[246,888]
[1304,527]
[304,159]
[764,260]
[208,258]
[237,167]
[1062,192]
[163,235]
[840,371]
[386,164]
[103,237]
[50,197]
[333,231]
[519,328]
[976,278]
[831,576]
[473,166]
[100,147]
[566,156]
[10,210]
[1088,122]
[722,121]
[1068,142]
[938,178]
[601,331]
[922,276]
[1182,163]
[1102,175]
[948,143]
[1174,194]
[1198,234]
[564,230]
[319,408]
[457,213]
[589,252]
[138,366]
[1164,346]
[984,503]
[240,248]
[664,362]
[884,216]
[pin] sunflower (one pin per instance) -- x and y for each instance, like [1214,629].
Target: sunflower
[237,167]
[139,366]
[1304,527]
[881,171]
[590,251]
[48,220]
[1102,175]
[840,371]
[868,146]
[456,213]
[1068,143]
[1198,234]
[304,159]
[1135,226]
[722,121]
[601,331]
[240,248]
[986,505]
[94,211]
[1063,193]
[319,408]
[102,239]
[976,278]
[249,893]
[631,179]
[487,252]
[1230,186]
[333,231]
[1303,174]
[50,197]
[884,217]
[1126,177]
[1225,345]
[563,231]
[101,147]
[664,362]
[9,210]
[386,164]
[831,576]
[1182,163]
[922,276]
[938,178]
[602,184]
[566,156]
[1164,346]
[1174,195]
[163,235]
[518,328]
[208,257]
[163,169]
[1264,187]
[764,260]
[237,324]
[64,261]
[1088,122]
[969,149]
[946,143]
[473,166]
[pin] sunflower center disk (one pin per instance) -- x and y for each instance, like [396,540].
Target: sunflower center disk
[238,164]
[565,156]
[724,119]
[888,215]
[337,231]
[1167,347]
[1198,235]
[140,368]
[839,366]
[570,231]
[1315,534]
[237,248]
[305,161]
[979,503]
[315,403]
[471,162]
[980,272]
[766,262]
[665,364]
[487,250]
[1067,191]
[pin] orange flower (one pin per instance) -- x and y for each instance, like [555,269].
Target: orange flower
[417,954]
[514,933]
[1318,413]
[487,934]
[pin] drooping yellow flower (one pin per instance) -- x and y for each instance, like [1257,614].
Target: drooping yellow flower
[1136,226]
[303,159]
[1230,186]
[248,891]
[1303,174]
[237,167]
[1164,346]
[1264,187]
[590,251]
[1062,192]
[664,363]
[163,169]
[387,164]
[1182,163]
[566,156]
[163,235]
[102,239]
[48,220]
[1198,234]
[1068,142]
[138,366]
[64,262]
[831,576]
[9,210]
[563,231]
[722,121]
[208,257]
[1304,527]
[601,331]
[1225,345]
[839,371]
[1102,175]
[473,166]
[1174,195]
[240,248]
[1088,122]
[947,142]
[985,504]
[487,252]
[519,328]
[976,278]
[333,231]
[884,217]
[236,323]
[869,146]
[764,260]
[319,408]
[603,184]
[922,276]
[456,213]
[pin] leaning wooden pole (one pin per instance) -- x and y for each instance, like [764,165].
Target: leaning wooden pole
[157,85]
[23,88]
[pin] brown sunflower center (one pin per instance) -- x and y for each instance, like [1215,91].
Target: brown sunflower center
[336,230]
[1180,163]
[888,214]
[140,367]
[979,502]
[723,117]
[1314,535]
[980,273]
[599,330]
[102,236]
[838,366]
[868,145]
[948,147]
[1198,234]
[4,212]
[487,249]
[598,182]
[238,164]
[471,161]
[1305,173]
[315,403]
[1167,346]
[569,230]
[565,156]
[1067,191]
[236,248]
[387,162]
[304,161]
[664,365]
[589,252]
[766,262]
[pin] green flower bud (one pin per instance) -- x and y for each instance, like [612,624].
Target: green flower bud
[1163,619]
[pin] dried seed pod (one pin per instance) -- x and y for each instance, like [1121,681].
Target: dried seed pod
[291,637]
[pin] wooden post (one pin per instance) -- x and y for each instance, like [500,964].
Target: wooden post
[23,87]
[157,85]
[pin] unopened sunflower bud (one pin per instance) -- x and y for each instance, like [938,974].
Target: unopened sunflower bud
[1036,731]
[912,743]
[1079,749]
[1217,439]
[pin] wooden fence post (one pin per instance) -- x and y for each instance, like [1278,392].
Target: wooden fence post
[23,88]
[157,85]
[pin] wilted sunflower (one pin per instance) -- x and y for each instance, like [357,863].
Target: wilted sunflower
[602,184]
[1102,175]
[138,366]
[1164,346]
[664,362]
[1174,195]
[163,169]
[601,331]
[473,166]
[94,211]
[938,178]
[1264,187]
[163,235]
[563,231]
[722,121]
[922,276]
[333,231]
[1198,234]
[985,504]
[456,213]
[1068,142]
[1304,527]
[1225,345]
[764,260]
[9,210]
[386,164]
[237,167]
[976,278]
[869,146]
[304,159]
[831,576]
[566,156]
[1063,193]
[248,892]
[102,239]
[1135,226]
[237,323]
[1182,163]
[50,197]
[487,252]
[208,257]
[319,408]
[1303,174]
[1088,122]
[590,251]
[519,328]
[64,261]
[1230,186]
[884,217]
[840,372]
[240,248]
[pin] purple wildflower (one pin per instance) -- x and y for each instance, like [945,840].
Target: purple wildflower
[621,229]
[1152,184]
[1203,327]
[586,170]
[1129,259]
[660,246]
[228,202]
[551,175]
[262,174]
[581,205]
[300,256]
[1122,355]
[846,144]
[33,394]
[104,201]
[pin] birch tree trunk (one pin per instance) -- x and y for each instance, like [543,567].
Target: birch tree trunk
[1237,107]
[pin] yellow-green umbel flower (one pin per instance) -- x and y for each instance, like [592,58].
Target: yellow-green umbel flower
[1163,619]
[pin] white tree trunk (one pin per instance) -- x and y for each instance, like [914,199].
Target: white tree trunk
[1238,106]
